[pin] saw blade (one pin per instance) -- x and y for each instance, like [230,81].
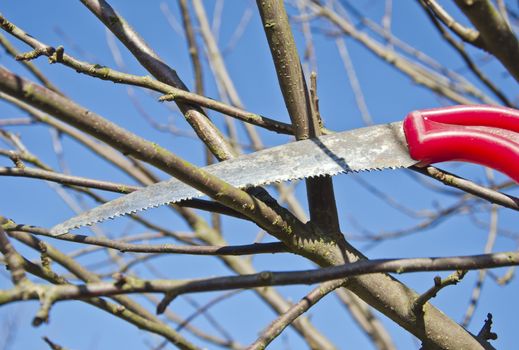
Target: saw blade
[370,148]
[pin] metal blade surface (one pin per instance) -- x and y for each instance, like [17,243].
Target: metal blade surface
[371,148]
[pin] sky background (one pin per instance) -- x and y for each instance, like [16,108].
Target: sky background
[389,95]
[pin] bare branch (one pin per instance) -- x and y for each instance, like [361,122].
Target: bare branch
[465,56]
[496,35]
[9,48]
[127,284]
[469,35]
[13,260]
[321,198]
[278,325]
[439,284]
[366,319]
[171,92]
[122,246]
[158,68]
[52,345]
[470,187]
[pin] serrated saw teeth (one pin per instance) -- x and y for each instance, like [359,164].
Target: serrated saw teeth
[58,230]
[372,148]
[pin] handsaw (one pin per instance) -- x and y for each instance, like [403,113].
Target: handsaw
[485,135]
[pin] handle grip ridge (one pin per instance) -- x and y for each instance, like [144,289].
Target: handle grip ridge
[485,135]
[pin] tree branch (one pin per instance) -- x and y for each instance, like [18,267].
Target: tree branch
[465,57]
[452,180]
[122,246]
[131,144]
[203,127]
[13,260]
[469,35]
[170,93]
[321,198]
[127,309]
[496,35]
[439,284]
[283,321]
[29,65]
[127,284]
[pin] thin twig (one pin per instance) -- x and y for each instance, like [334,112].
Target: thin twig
[439,284]
[354,82]
[122,246]
[467,34]
[366,319]
[452,180]
[476,291]
[53,345]
[171,92]
[283,321]
[10,49]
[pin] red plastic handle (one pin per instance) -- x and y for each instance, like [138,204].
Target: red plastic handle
[485,135]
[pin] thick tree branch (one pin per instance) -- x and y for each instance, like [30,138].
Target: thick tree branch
[496,34]
[458,46]
[321,198]
[207,132]
[13,259]
[131,144]
[171,93]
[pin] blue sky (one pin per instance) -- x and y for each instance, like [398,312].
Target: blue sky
[390,96]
